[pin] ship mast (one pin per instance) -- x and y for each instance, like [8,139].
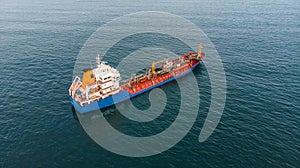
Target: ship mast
[200,50]
[98,61]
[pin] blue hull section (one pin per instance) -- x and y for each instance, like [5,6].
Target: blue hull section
[109,101]
[119,97]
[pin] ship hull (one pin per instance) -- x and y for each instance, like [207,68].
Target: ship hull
[123,95]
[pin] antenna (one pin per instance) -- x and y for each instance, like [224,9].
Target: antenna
[98,60]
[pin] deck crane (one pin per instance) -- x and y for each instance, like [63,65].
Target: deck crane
[157,62]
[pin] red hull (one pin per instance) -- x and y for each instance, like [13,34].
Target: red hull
[144,82]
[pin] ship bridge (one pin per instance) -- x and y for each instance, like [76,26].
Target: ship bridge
[98,83]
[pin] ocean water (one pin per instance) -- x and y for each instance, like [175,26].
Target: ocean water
[258,42]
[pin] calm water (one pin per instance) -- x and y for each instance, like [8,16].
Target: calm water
[258,42]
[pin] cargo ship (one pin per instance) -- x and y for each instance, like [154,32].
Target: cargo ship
[101,87]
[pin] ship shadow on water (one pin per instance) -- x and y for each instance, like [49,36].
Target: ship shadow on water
[74,113]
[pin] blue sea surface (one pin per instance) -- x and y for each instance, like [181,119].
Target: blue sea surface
[258,41]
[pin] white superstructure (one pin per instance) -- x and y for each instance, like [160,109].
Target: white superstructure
[96,84]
